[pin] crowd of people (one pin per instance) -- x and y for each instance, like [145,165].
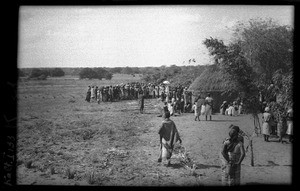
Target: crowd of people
[178,100]
[131,91]
[271,126]
[232,109]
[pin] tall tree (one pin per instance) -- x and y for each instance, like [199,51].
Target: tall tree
[259,55]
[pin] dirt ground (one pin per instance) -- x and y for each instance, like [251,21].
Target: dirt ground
[60,135]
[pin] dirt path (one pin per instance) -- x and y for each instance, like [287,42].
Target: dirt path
[112,144]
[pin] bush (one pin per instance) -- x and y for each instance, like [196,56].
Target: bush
[52,170]
[97,73]
[57,72]
[87,73]
[108,76]
[39,74]
[70,173]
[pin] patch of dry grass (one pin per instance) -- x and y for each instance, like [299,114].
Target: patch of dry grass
[70,173]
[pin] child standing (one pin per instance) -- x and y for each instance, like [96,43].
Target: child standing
[141,102]
[197,112]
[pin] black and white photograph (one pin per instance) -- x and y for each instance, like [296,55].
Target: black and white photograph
[155,95]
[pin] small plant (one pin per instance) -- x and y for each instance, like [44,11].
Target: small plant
[71,101]
[28,164]
[52,170]
[70,173]
[76,109]
[91,178]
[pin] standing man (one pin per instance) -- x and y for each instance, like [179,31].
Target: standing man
[208,106]
[141,102]
[96,92]
[168,136]
[93,93]
[88,94]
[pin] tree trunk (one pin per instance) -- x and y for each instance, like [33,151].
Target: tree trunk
[251,152]
[257,131]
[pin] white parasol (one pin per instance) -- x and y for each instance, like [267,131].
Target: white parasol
[166,82]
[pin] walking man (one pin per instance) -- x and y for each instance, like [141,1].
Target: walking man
[168,136]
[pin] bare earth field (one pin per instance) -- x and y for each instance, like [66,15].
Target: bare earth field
[63,140]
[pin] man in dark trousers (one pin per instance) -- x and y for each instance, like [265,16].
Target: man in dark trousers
[141,103]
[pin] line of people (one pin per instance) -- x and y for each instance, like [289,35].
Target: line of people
[177,98]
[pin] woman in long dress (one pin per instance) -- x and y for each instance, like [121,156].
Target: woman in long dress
[266,131]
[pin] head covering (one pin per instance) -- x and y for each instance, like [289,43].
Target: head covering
[234,131]
[233,134]
[224,101]
[290,110]
[267,109]
[167,115]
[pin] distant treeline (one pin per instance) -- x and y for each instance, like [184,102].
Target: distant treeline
[177,75]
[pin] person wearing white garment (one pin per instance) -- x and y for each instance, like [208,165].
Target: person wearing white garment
[230,110]
[235,110]
[208,106]
[289,121]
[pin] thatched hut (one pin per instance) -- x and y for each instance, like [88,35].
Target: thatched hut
[215,82]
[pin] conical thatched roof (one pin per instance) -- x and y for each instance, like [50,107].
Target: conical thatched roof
[212,79]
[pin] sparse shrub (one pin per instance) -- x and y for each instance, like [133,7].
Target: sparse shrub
[52,170]
[76,109]
[28,164]
[70,173]
[91,178]
[71,101]
[57,72]
[86,135]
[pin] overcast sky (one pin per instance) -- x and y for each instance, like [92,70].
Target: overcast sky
[135,36]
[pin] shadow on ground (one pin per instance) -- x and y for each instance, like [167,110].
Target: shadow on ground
[176,165]
[204,166]
[222,120]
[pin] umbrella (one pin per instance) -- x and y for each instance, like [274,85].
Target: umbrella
[166,82]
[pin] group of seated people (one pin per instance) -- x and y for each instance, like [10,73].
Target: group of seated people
[231,109]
